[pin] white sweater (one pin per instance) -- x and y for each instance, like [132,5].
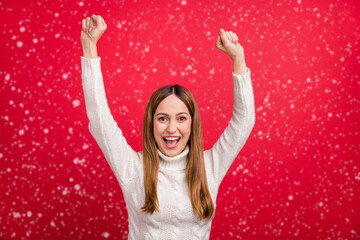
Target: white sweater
[176,219]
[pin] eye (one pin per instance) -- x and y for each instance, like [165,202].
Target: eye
[182,118]
[161,119]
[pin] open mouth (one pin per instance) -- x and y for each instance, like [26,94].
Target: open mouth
[171,142]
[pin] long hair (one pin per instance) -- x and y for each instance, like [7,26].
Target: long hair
[199,193]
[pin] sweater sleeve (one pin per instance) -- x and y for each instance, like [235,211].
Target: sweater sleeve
[123,160]
[220,157]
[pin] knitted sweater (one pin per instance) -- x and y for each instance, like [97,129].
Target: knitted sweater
[176,219]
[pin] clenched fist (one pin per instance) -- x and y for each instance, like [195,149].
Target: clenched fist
[92,28]
[228,43]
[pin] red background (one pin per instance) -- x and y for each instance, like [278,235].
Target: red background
[298,175]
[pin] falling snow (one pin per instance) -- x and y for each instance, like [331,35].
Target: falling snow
[76,103]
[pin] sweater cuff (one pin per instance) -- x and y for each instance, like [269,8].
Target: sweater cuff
[241,81]
[245,75]
[90,66]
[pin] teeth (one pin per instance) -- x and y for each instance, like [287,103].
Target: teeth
[172,138]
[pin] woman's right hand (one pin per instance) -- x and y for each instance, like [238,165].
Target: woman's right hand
[92,29]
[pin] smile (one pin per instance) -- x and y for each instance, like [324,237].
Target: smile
[171,142]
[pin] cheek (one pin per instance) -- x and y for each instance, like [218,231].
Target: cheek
[188,129]
[157,131]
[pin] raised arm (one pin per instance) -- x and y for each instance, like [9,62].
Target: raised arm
[123,160]
[220,157]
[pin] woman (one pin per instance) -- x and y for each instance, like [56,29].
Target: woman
[170,188]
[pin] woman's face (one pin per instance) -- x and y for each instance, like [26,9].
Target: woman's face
[172,126]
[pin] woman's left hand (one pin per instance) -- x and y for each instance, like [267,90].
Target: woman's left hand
[227,42]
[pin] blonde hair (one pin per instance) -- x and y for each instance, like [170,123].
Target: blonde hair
[195,168]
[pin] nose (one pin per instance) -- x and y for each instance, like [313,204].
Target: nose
[172,126]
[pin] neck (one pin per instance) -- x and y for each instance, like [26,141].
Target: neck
[175,163]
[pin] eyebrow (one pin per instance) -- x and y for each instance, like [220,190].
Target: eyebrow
[176,114]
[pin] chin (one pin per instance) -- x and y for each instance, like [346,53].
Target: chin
[172,152]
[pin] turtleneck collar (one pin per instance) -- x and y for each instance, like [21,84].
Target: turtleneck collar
[175,163]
